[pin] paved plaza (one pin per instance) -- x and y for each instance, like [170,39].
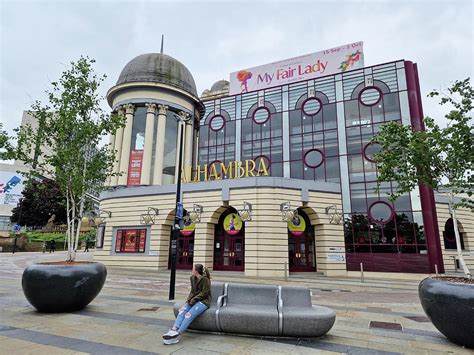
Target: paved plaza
[132,312]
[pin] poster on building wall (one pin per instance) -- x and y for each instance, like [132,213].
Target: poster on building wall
[11,186]
[297,225]
[309,66]
[232,224]
[135,167]
[130,240]
[189,228]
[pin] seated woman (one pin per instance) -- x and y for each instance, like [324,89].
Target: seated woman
[198,301]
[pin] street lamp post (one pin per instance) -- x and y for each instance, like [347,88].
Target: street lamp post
[178,209]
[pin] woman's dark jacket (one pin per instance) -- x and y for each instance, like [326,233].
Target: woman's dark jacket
[200,291]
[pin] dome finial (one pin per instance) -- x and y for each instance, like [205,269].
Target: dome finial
[162,42]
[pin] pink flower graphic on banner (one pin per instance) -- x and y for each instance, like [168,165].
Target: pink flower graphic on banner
[243,76]
[351,59]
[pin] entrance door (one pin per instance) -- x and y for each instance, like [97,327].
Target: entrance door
[229,238]
[185,252]
[301,255]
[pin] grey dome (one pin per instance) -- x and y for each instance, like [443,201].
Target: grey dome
[158,68]
[220,85]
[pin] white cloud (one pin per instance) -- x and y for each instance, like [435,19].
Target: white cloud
[215,38]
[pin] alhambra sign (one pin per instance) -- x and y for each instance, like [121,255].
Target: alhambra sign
[218,171]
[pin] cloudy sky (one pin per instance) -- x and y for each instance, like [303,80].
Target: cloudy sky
[214,38]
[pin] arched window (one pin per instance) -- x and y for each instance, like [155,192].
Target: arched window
[372,104]
[314,146]
[449,235]
[217,138]
[262,137]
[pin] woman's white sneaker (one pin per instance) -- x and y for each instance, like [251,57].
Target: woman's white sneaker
[172,334]
[171,341]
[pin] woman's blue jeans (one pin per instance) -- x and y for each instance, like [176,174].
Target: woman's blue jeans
[187,314]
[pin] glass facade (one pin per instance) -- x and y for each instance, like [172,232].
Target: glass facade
[321,130]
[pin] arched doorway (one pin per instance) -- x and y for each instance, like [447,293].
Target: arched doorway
[229,239]
[301,252]
[185,252]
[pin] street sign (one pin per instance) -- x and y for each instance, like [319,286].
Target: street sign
[17,227]
[179,210]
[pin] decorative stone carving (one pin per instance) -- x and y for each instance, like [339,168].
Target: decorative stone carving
[184,117]
[162,109]
[120,110]
[151,108]
[129,109]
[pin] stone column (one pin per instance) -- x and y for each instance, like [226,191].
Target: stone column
[188,148]
[148,149]
[118,149]
[160,145]
[127,139]
[204,244]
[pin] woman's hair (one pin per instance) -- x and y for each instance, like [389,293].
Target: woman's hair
[202,270]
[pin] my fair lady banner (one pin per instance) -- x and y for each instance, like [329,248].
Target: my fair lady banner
[310,66]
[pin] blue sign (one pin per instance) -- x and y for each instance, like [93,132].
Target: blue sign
[179,210]
[17,227]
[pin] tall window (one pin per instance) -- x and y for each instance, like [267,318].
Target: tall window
[217,139]
[313,139]
[262,137]
[169,154]
[138,129]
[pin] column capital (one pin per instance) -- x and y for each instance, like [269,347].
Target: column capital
[120,110]
[129,109]
[151,108]
[184,117]
[162,109]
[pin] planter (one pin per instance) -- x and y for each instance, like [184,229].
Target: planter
[63,287]
[450,307]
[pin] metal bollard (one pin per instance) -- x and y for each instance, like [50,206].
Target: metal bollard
[362,272]
[436,269]
[286,271]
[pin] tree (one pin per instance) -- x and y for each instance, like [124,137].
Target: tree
[5,146]
[41,199]
[441,158]
[65,146]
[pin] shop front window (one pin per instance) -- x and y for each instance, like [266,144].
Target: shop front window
[130,240]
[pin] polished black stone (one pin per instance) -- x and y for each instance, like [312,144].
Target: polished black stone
[450,307]
[62,288]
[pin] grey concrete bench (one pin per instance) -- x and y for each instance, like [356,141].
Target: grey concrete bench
[207,320]
[263,310]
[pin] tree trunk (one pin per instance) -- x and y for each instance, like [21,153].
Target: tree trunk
[458,238]
[73,229]
[79,218]
[68,231]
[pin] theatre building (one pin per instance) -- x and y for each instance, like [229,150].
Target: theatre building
[278,171]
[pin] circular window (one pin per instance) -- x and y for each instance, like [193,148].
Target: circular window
[370,149]
[217,122]
[313,158]
[370,96]
[380,212]
[261,115]
[311,106]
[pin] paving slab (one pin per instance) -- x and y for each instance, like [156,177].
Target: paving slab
[132,312]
